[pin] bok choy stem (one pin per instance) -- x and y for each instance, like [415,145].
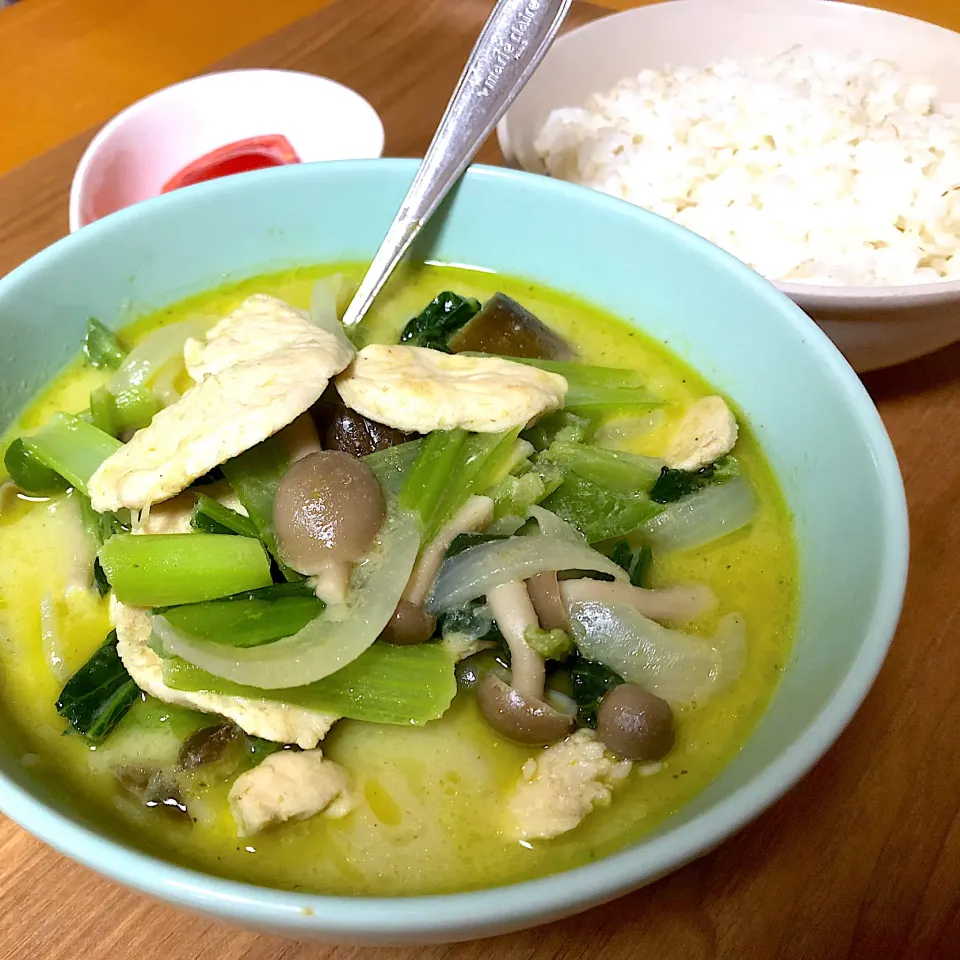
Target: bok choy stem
[154,570]
[72,447]
[385,684]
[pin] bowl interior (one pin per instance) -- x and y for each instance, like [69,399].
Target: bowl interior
[138,151]
[697,32]
[814,419]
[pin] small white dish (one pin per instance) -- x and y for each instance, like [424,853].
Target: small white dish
[874,326]
[137,152]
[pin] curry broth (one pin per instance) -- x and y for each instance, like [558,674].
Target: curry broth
[424,823]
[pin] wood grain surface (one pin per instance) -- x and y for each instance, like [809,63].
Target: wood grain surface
[861,860]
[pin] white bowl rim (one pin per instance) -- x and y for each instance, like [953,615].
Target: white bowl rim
[365,112]
[457,916]
[812,295]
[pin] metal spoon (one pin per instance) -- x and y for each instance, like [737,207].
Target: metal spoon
[511,45]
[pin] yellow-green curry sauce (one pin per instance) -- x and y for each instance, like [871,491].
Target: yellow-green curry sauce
[426,822]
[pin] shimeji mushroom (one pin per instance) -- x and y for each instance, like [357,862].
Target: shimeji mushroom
[517,709]
[327,512]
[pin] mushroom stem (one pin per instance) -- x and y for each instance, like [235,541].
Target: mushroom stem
[669,605]
[299,438]
[476,514]
[331,583]
[513,611]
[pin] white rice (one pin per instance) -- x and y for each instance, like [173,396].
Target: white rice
[808,166]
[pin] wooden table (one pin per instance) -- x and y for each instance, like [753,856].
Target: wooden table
[861,860]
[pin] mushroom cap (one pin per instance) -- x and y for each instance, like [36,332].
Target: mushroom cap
[520,718]
[328,509]
[634,724]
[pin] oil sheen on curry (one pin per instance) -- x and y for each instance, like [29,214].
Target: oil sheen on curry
[485,590]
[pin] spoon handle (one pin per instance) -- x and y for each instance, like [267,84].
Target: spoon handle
[512,43]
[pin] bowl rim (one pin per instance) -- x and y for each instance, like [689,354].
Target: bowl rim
[365,113]
[812,295]
[511,906]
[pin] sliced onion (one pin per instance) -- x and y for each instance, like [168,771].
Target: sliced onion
[164,383]
[155,350]
[666,605]
[476,571]
[552,526]
[702,517]
[668,663]
[332,640]
[325,306]
[50,639]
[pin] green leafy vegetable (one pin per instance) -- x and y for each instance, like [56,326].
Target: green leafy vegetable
[210,516]
[385,684]
[671,485]
[553,644]
[72,447]
[485,458]
[130,409]
[392,466]
[439,320]
[470,623]
[247,620]
[95,699]
[594,391]
[100,527]
[101,346]
[598,512]
[624,472]
[590,681]
[561,426]
[513,496]
[30,473]
[153,570]
[254,476]
[451,466]
[636,562]
[439,455]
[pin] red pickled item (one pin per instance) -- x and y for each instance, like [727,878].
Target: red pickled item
[254,153]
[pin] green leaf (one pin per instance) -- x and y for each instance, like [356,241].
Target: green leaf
[624,472]
[101,346]
[210,516]
[95,699]
[30,473]
[672,485]
[247,620]
[598,512]
[254,476]
[636,562]
[590,681]
[385,684]
[439,320]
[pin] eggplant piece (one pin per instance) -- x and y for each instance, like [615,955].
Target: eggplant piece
[343,429]
[505,328]
[153,788]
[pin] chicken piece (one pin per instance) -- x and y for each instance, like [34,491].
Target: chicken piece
[260,369]
[561,785]
[290,785]
[419,390]
[707,432]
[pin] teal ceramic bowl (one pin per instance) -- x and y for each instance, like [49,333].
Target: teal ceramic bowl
[810,412]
